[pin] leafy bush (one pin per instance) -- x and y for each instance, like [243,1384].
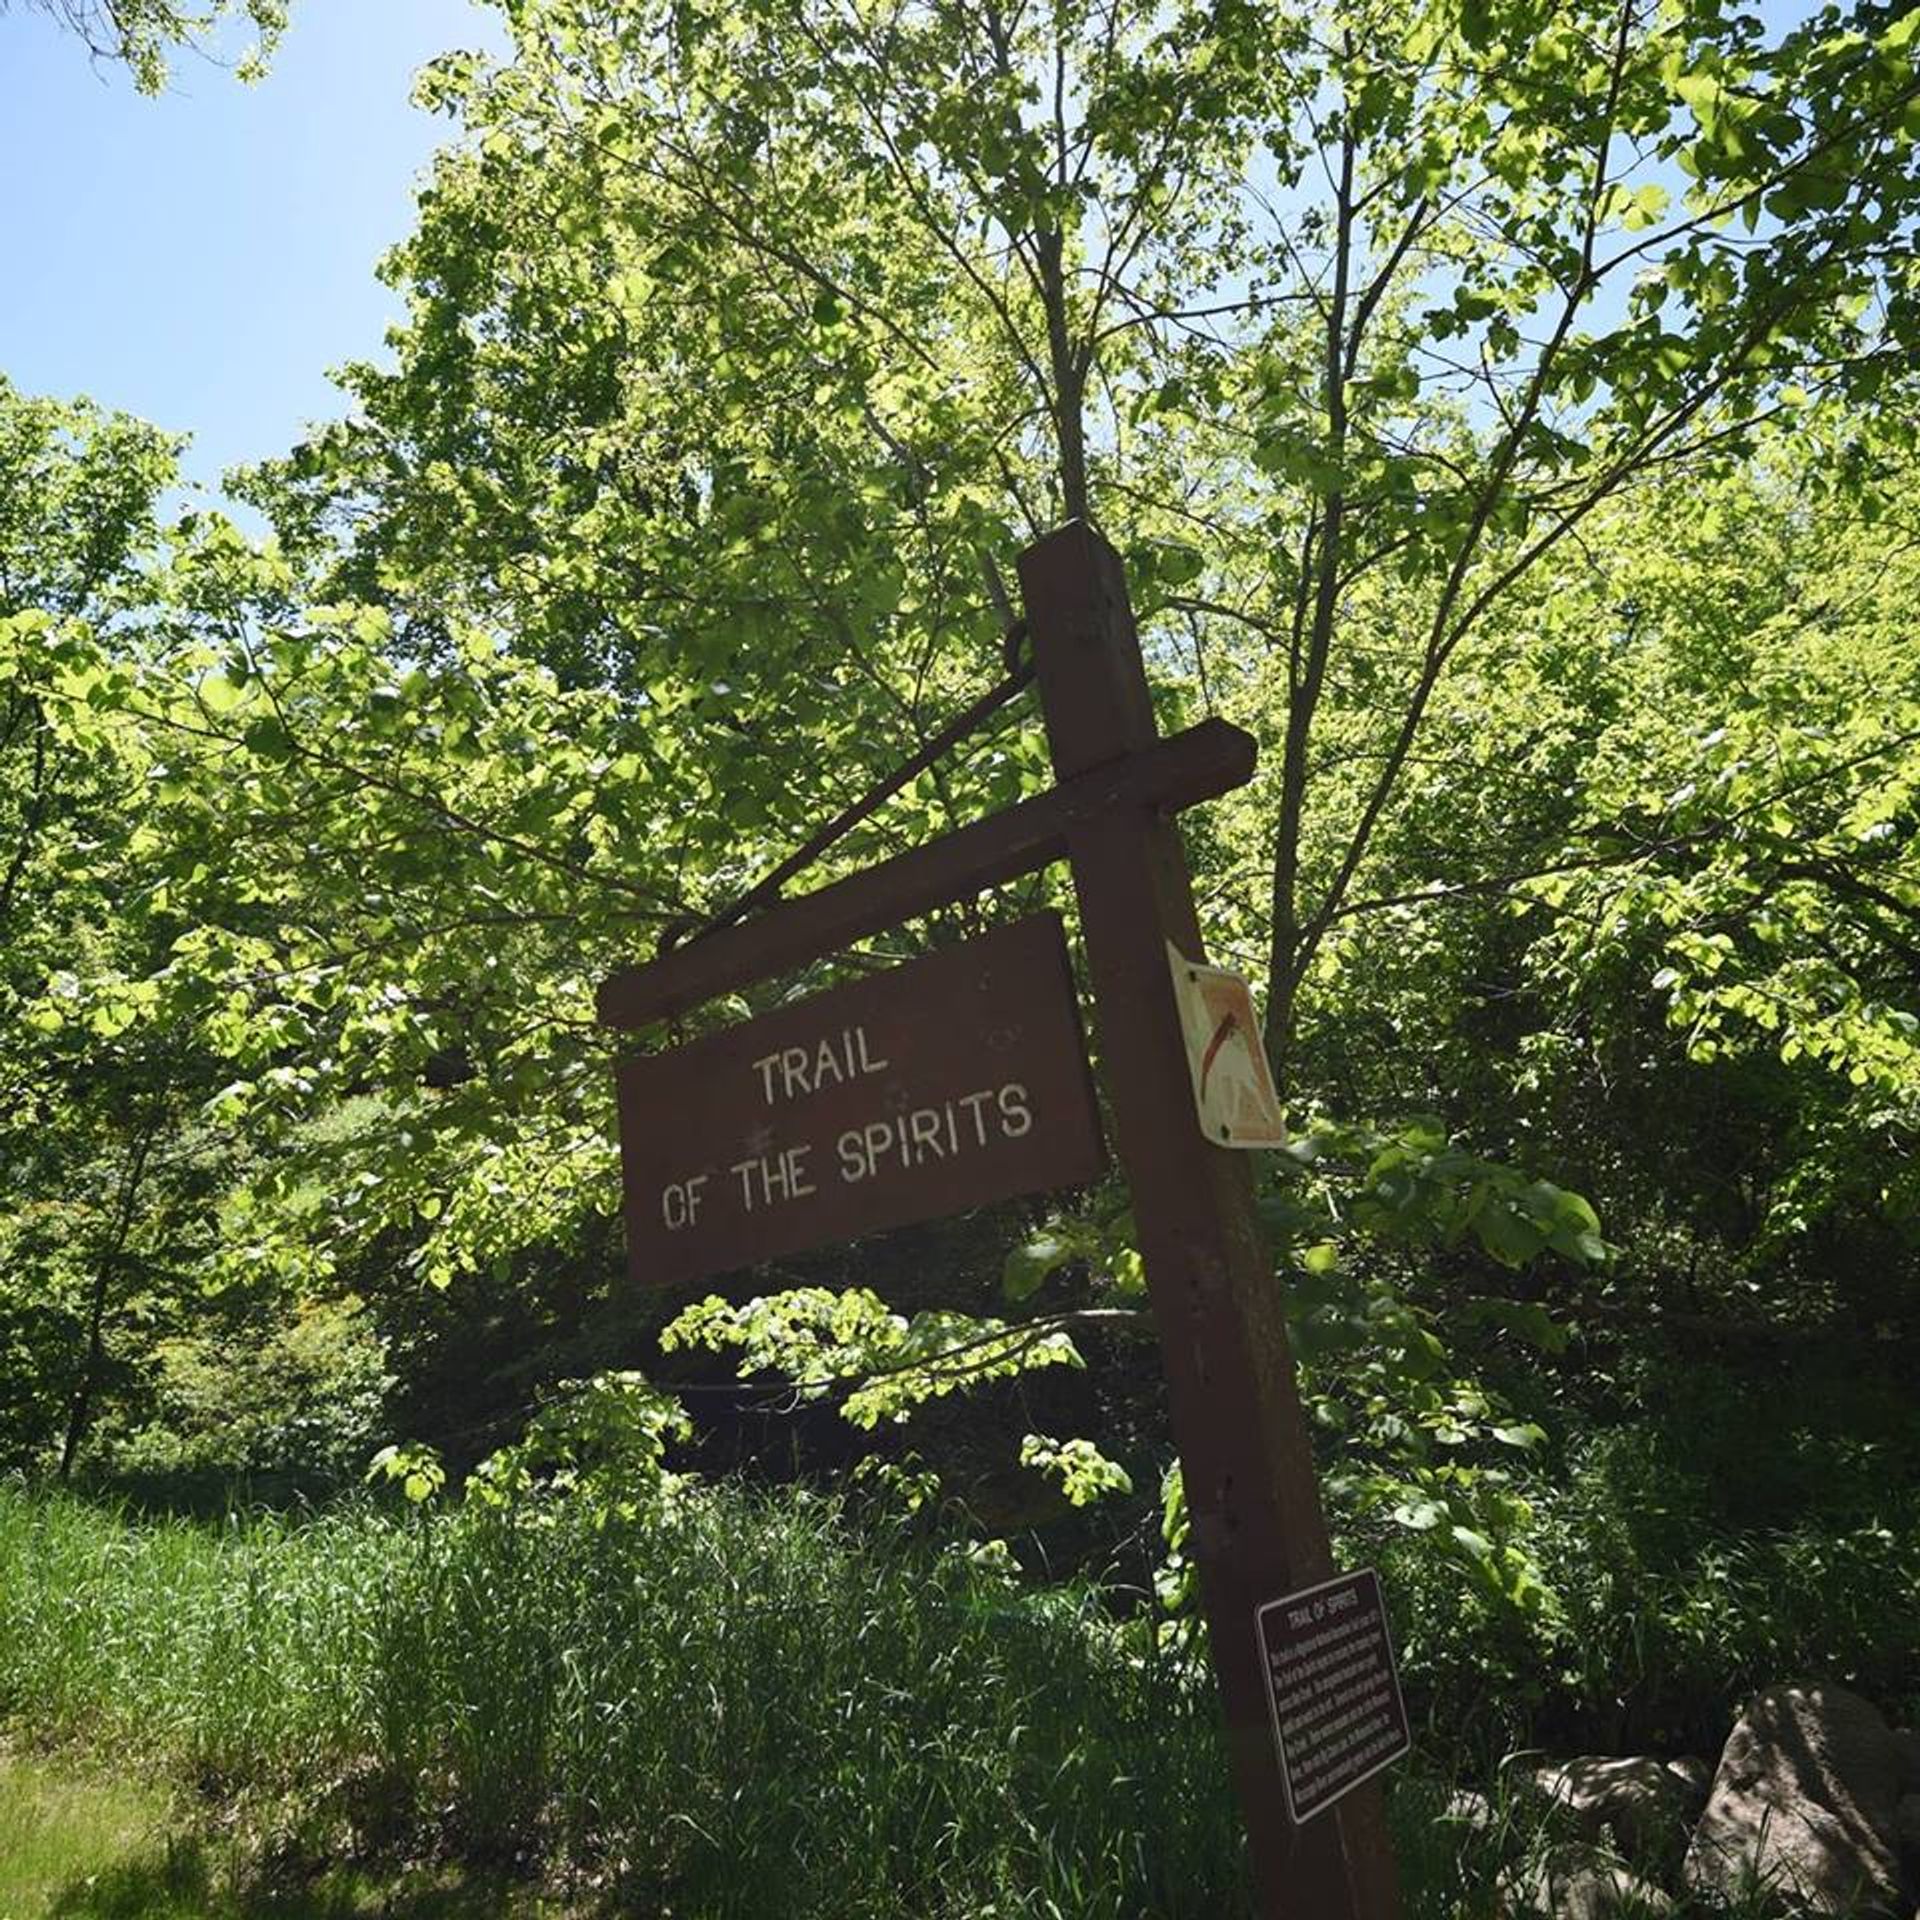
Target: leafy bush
[301,1398]
[1716,1542]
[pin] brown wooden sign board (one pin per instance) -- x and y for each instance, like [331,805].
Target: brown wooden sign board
[1334,1690]
[939,1085]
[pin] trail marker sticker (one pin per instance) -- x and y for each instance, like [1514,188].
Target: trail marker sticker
[948,1082]
[1232,1084]
[1333,1687]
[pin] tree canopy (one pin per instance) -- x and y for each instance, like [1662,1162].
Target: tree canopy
[1503,412]
[143,35]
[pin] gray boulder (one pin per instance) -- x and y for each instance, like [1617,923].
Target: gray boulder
[1643,1805]
[1804,1803]
[1580,1883]
[1466,1807]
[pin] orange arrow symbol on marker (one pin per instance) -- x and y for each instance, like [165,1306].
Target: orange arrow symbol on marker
[1219,1040]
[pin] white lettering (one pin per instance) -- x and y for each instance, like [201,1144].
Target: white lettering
[790,1176]
[922,1134]
[680,1202]
[853,1159]
[831,1061]
[774,1177]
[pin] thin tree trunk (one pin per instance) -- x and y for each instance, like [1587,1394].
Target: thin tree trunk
[1323,551]
[81,1411]
[35,816]
[1068,366]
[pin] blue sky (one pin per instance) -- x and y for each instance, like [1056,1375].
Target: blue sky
[203,258]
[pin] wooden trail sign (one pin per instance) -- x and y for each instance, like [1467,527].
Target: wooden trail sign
[1258,1533]
[943,1084]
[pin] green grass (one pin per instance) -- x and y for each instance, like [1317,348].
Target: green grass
[57,1830]
[737,1712]
[78,1846]
[740,1711]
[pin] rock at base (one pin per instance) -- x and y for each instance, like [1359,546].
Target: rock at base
[1581,1883]
[1467,1807]
[1644,1804]
[1804,1803]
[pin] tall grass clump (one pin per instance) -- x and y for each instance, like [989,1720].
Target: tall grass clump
[731,1707]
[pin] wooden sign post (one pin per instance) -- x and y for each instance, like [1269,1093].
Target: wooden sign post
[1318,1844]
[1258,1531]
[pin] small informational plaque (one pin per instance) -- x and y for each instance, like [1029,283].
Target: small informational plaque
[1335,1694]
[1232,1084]
[946,1083]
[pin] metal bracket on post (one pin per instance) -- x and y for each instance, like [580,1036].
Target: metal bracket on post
[1257,1523]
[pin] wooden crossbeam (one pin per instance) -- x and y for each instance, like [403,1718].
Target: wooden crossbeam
[1199,764]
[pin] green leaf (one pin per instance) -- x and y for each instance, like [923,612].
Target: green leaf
[1178,565]
[267,739]
[1507,1234]
[1029,1264]
[1084,1472]
[219,695]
